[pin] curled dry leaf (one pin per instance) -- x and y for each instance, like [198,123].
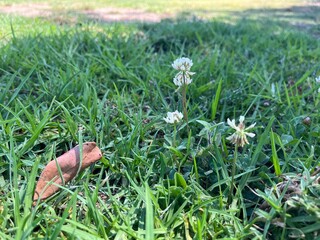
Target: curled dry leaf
[69,162]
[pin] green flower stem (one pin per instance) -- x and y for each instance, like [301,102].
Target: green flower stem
[174,140]
[174,135]
[184,100]
[233,173]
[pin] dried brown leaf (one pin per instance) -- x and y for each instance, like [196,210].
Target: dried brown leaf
[69,162]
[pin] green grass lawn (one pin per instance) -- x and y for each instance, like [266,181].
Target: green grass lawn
[112,83]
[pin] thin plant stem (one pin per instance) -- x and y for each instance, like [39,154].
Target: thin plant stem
[184,100]
[174,135]
[174,140]
[233,173]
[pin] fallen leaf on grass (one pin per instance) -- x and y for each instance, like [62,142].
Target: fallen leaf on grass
[69,163]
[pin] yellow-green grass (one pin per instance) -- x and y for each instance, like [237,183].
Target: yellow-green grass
[164,6]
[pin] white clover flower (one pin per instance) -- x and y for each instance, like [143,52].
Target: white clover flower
[183,77]
[182,64]
[173,117]
[240,136]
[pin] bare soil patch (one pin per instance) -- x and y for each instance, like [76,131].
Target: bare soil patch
[27,10]
[124,15]
[107,14]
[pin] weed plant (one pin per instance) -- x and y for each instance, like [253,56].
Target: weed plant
[113,84]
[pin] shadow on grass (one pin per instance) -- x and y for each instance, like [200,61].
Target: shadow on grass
[244,43]
[87,61]
[106,73]
[304,18]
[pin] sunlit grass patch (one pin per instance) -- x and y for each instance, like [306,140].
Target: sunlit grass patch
[115,83]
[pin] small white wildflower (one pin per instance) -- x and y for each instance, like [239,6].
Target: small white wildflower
[183,77]
[240,136]
[173,117]
[182,64]
[318,79]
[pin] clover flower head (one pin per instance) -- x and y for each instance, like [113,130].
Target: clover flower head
[182,78]
[184,75]
[173,117]
[182,64]
[240,136]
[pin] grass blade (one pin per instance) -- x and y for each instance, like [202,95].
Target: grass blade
[215,101]
[149,214]
[275,159]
